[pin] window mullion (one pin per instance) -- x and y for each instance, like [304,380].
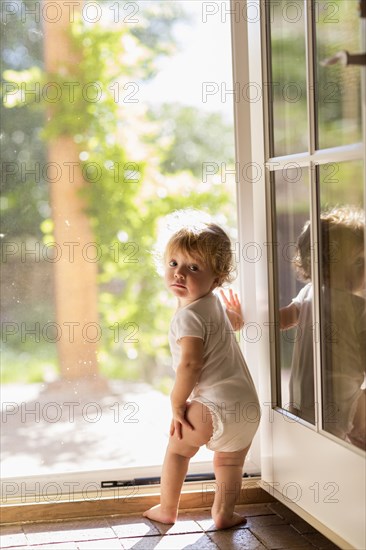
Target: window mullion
[314,205]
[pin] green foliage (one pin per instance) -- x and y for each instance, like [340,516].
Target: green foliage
[27,367]
[189,138]
[23,196]
[157,23]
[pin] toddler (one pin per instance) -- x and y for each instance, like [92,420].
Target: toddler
[214,401]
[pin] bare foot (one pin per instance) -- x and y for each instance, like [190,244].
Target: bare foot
[224,522]
[156,514]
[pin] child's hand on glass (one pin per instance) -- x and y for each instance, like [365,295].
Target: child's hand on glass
[233,309]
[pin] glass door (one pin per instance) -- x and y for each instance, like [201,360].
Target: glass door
[86,371]
[309,219]
[318,207]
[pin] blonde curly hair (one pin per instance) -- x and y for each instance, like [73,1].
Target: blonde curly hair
[342,233]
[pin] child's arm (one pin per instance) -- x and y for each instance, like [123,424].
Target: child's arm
[289,316]
[187,375]
[233,309]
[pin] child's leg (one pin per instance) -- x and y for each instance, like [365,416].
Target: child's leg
[176,462]
[228,472]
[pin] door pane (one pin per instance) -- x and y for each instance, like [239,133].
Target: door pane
[295,357]
[288,77]
[339,92]
[343,306]
[143,151]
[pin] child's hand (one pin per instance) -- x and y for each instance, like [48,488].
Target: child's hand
[179,420]
[233,309]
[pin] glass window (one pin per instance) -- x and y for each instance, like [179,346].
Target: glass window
[288,77]
[340,245]
[343,305]
[294,290]
[144,120]
[338,97]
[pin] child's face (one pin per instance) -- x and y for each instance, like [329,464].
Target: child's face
[188,278]
[348,272]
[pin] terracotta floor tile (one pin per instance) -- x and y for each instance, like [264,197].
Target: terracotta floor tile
[105,544]
[282,511]
[258,521]
[191,541]
[49,546]
[205,520]
[184,525]
[68,531]
[278,536]
[302,526]
[12,535]
[319,541]
[236,539]
[254,509]
[56,546]
[203,517]
[132,526]
[141,543]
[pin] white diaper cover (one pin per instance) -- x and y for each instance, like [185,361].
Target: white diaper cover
[234,425]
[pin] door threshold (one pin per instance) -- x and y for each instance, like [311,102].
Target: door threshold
[122,501]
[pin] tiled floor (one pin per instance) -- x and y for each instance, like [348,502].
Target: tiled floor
[269,526]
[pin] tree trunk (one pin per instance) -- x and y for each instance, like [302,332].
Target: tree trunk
[75,272]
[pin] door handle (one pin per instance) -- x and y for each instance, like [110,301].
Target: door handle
[345,58]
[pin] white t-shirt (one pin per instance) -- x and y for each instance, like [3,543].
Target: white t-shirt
[344,356]
[302,366]
[225,383]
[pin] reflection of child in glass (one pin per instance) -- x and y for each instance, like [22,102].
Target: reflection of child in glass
[213,387]
[343,322]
